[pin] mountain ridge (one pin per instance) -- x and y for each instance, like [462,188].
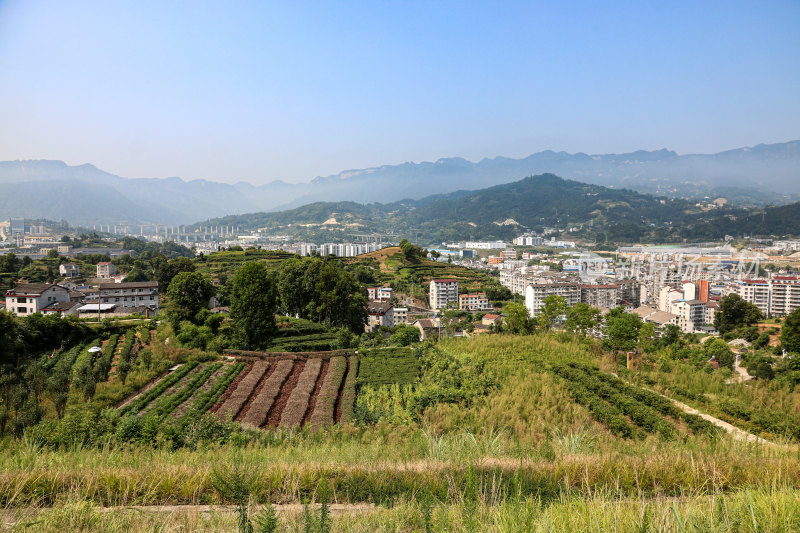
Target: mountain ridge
[758,175]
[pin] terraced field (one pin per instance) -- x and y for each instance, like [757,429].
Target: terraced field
[289,390]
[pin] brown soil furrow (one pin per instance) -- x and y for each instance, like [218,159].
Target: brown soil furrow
[297,404]
[263,401]
[312,402]
[181,409]
[232,387]
[323,413]
[265,379]
[275,412]
[236,401]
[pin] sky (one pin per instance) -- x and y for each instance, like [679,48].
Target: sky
[258,91]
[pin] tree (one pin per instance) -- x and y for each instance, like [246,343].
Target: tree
[670,334]
[622,329]
[166,271]
[517,319]
[735,312]
[253,304]
[647,337]
[58,391]
[52,253]
[9,339]
[553,308]
[582,318]
[720,350]
[187,295]
[404,335]
[790,332]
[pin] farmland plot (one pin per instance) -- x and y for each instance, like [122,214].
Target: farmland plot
[258,411]
[288,390]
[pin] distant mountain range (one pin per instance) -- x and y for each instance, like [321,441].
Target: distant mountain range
[592,212]
[764,174]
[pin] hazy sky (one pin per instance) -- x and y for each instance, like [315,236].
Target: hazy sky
[257,91]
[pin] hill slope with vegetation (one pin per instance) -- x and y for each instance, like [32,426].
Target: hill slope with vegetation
[598,213]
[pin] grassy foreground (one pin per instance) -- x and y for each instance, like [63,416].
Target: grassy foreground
[744,511]
[519,456]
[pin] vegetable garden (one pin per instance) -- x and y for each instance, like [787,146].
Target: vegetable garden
[288,390]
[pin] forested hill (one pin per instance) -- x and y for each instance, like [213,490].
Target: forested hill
[503,211]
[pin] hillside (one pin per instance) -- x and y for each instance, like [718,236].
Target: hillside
[601,214]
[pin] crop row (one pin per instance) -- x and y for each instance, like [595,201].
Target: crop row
[127,347]
[652,399]
[166,404]
[83,357]
[325,407]
[348,400]
[604,413]
[259,408]
[297,404]
[244,389]
[166,382]
[103,365]
[205,400]
[387,366]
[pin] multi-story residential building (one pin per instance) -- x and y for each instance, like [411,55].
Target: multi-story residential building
[380,293]
[528,240]
[105,270]
[494,260]
[629,293]
[379,314]
[28,298]
[399,315]
[604,296]
[473,302]
[508,254]
[133,294]
[443,292]
[69,270]
[536,293]
[775,297]
[785,296]
[691,314]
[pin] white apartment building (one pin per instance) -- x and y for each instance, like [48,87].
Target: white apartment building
[380,293]
[105,270]
[28,298]
[528,240]
[443,292]
[536,293]
[133,294]
[778,296]
[691,314]
[399,315]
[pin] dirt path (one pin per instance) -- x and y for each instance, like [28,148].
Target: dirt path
[741,372]
[737,433]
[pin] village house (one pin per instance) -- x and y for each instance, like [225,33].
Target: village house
[69,270]
[379,314]
[28,298]
[134,294]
